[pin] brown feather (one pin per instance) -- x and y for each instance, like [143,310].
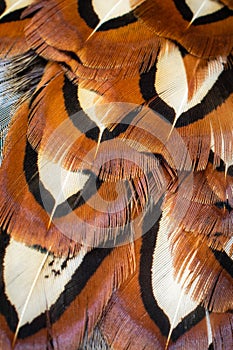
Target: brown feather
[82,311]
[203,40]
[101,54]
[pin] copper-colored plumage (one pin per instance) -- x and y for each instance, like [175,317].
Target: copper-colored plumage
[116,195]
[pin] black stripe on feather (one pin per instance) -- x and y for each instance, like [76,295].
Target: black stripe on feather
[187,14]
[154,311]
[73,288]
[48,202]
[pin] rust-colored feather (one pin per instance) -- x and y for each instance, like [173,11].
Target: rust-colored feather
[123,42]
[116,192]
[203,28]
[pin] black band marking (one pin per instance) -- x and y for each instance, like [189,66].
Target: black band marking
[222,166]
[76,114]
[118,22]
[150,304]
[224,205]
[73,288]
[216,96]
[147,88]
[184,10]
[15,15]
[154,311]
[189,321]
[224,261]
[88,14]
[48,202]
[83,123]
[6,308]
[217,16]
[2,6]
[12,16]
[230,171]
[187,14]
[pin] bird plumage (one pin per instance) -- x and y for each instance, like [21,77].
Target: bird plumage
[116,177]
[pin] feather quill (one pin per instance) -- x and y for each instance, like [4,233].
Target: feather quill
[116,177]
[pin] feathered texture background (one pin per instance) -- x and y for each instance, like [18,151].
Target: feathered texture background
[116,192]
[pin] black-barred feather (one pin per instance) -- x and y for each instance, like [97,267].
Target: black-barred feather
[116,192]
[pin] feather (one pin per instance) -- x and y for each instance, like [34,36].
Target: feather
[12,38]
[62,290]
[18,79]
[153,310]
[228,3]
[116,189]
[203,28]
[68,207]
[196,101]
[117,37]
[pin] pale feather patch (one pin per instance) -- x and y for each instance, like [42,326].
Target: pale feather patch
[167,291]
[107,10]
[174,91]
[223,154]
[171,82]
[229,248]
[12,5]
[89,101]
[209,328]
[21,264]
[60,182]
[201,8]
[213,71]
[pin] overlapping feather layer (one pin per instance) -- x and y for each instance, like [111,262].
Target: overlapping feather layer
[116,190]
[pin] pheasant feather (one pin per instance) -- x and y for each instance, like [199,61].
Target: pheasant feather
[116,192]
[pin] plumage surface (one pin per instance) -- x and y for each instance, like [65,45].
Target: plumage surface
[116,189]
